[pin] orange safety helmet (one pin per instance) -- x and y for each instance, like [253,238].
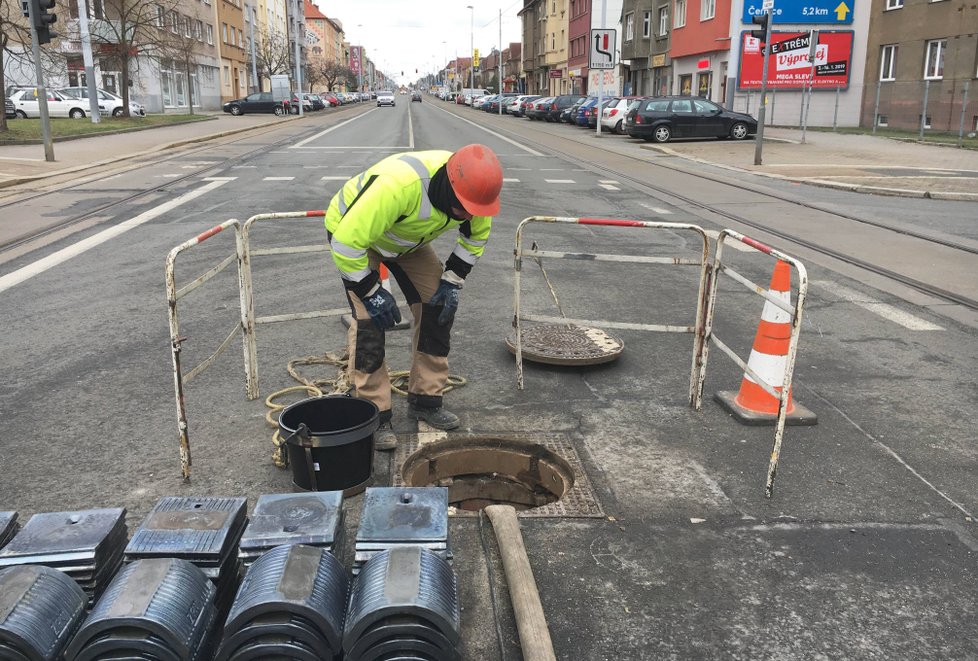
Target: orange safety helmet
[476,177]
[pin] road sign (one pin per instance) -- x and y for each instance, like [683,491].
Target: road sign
[832,12]
[602,49]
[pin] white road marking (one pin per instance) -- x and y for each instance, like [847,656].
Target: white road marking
[519,169]
[278,178]
[489,131]
[330,129]
[884,310]
[559,181]
[54,259]
[659,210]
[189,167]
[242,167]
[551,169]
[512,181]
[608,181]
[334,178]
[609,187]
[169,176]
[219,178]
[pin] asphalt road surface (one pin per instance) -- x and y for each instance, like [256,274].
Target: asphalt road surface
[670,549]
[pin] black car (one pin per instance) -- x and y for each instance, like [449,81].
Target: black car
[562,103]
[416,96]
[257,102]
[9,111]
[662,118]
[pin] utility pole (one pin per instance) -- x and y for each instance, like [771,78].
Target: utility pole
[34,9]
[500,74]
[86,41]
[296,13]
[764,35]
[254,58]
[597,108]
[471,46]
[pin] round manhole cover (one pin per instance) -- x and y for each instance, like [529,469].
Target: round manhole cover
[567,344]
[490,471]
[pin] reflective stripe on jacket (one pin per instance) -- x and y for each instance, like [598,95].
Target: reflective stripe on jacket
[386,208]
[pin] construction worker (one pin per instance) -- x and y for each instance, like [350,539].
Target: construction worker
[390,213]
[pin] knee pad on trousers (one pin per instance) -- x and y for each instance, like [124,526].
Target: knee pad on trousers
[433,339]
[369,348]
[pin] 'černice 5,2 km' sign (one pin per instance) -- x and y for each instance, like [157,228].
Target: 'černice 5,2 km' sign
[789,66]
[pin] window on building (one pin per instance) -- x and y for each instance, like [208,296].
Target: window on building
[893,4]
[629,26]
[926,121]
[174,22]
[647,24]
[888,62]
[188,26]
[210,34]
[663,21]
[680,14]
[708,9]
[934,66]
[160,16]
[241,41]
[224,32]
[227,75]
[882,120]
[199,30]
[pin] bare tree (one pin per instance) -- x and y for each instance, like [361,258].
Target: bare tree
[272,53]
[185,48]
[128,29]
[330,71]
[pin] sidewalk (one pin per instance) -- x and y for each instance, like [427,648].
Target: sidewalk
[860,163]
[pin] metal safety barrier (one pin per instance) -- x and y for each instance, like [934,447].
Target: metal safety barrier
[243,254]
[176,341]
[794,310]
[696,329]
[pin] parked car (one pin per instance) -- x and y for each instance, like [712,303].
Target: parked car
[257,102]
[613,115]
[664,118]
[331,100]
[585,109]
[561,103]
[317,102]
[526,103]
[26,104]
[8,109]
[307,105]
[416,96]
[108,103]
[592,119]
[539,108]
[513,106]
[385,98]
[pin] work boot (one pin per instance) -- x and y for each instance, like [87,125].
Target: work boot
[384,438]
[437,417]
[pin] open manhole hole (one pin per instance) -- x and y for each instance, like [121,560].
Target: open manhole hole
[537,479]
[567,344]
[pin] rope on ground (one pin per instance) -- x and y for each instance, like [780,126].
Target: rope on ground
[338,385]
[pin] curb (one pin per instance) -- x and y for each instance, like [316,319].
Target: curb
[68,138]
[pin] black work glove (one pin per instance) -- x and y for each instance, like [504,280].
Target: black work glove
[447,297]
[382,308]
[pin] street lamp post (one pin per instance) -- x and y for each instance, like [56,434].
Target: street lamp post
[471,45]
[359,62]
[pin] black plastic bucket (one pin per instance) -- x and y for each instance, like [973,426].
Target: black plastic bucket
[330,442]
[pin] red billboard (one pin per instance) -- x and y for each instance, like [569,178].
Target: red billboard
[788,63]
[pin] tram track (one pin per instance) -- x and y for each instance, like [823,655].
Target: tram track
[621,173]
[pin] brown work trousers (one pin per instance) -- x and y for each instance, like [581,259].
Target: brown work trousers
[417,274]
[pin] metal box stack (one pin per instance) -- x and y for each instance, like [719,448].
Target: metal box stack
[159,608]
[403,605]
[291,605]
[87,545]
[40,609]
[393,517]
[8,527]
[314,519]
[204,531]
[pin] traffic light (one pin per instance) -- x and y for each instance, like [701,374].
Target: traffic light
[43,19]
[760,34]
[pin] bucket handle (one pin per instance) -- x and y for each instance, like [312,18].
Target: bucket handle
[305,442]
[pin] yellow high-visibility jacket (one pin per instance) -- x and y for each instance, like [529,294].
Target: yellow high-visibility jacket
[386,208]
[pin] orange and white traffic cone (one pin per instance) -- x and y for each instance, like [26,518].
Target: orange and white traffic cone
[753,405]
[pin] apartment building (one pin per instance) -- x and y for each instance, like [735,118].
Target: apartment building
[917,50]
[234,58]
[555,31]
[533,70]
[647,49]
[512,65]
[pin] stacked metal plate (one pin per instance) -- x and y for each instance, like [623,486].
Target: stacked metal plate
[40,609]
[86,545]
[204,531]
[8,527]
[160,608]
[403,605]
[311,518]
[402,516]
[291,604]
